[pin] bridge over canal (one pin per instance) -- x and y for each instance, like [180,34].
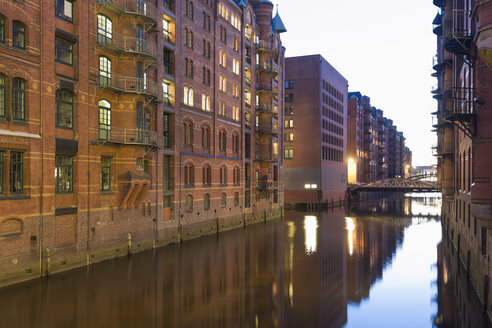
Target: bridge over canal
[411,184]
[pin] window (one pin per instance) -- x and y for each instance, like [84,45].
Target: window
[222,141]
[16,172]
[105,173]
[207,175]
[223,176]
[63,51]
[222,83]
[206,138]
[206,102]
[18,99]
[186,37]
[289,84]
[141,43]
[289,124]
[166,30]
[64,109]
[289,110]
[104,29]
[206,201]
[1,171]
[289,152]
[189,67]
[166,94]
[188,96]
[236,178]
[289,98]
[104,120]
[63,173]
[104,71]
[189,203]
[18,35]
[247,199]
[236,199]
[189,175]
[235,113]
[64,9]
[222,108]
[223,199]
[289,137]
[235,143]
[2,95]
[190,44]
[235,66]
[2,29]
[188,134]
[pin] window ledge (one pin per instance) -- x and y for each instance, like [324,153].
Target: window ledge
[17,122]
[14,197]
[107,193]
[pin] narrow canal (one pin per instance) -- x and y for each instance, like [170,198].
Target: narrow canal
[383,264]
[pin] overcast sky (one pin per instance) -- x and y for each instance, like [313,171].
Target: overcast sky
[384,48]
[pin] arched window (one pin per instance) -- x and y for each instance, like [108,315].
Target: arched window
[236,176]
[188,134]
[189,203]
[188,96]
[2,29]
[206,138]
[18,35]
[104,29]
[223,199]
[2,95]
[206,102]
[64,109]
[236,199]
[189,175]
[140,39]
[104,71]
[222,141]
[104,120]
[223,176]
[18,99]
[206,201]
[10,227]
[207,175]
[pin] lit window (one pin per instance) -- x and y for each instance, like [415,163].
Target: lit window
[104,29]
[64,173]
[289,124]
[104,120]
[104,71]
[289,153]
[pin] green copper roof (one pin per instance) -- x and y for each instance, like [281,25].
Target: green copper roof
[278,25]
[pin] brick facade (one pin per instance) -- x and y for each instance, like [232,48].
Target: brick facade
[97,95]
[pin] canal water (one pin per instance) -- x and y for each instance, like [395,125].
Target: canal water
[380,264]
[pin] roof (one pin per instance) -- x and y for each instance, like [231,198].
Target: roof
[277,24]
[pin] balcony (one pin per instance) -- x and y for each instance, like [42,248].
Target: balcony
[267,157]
[437,23]
[267,109]
[461,109]
[126,136]
[120,44]
[439,64]
[267,129]
[269,185]
[457,32]
[127,84]
[267,88]
[165,141]
[270,68]
[267,46]
[142,9]
[444,149]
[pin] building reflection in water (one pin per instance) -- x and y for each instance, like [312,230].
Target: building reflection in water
[303,271]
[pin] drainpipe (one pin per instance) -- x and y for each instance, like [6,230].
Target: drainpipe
[88,258]
[41,204]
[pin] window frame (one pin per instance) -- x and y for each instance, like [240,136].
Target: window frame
[206,201]
[13,179]
[19,28]
[3,95]
[105,170]
[2,28]
[104,30]
[223,200]
[58,174]
[106,122]
[189,203]
[60,10]
[105,71]
[18,99]
[59,104]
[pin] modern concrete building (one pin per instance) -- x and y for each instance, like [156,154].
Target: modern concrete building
[463,68]
[376,150]
[315,131]
[128,124]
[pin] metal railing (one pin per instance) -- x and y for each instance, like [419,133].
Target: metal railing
[268,45]
[457,31]
[266,108]
[128,44]
[267,88]
[267,157]
[462,100]
[268,185]
[272,67]
[126,136]
[138,7]
[272,129]
[128,84]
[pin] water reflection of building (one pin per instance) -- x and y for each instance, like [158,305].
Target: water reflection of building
[458,303]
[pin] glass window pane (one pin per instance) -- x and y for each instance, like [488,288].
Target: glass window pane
[16,172]
[64,109]
[63,173]
[18,35]
[18,99]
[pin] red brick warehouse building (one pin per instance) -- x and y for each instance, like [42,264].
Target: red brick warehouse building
[159,122]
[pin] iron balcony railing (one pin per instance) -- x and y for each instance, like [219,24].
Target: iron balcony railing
[165,141]
[167,101]
[142,8]
[269,67]
[266,108]
[128,84]
[267,129]
[126,136]
[457,31]
[267,88]
[269,185]
[462,100]
[123,43]
[267,45]
[267,157]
